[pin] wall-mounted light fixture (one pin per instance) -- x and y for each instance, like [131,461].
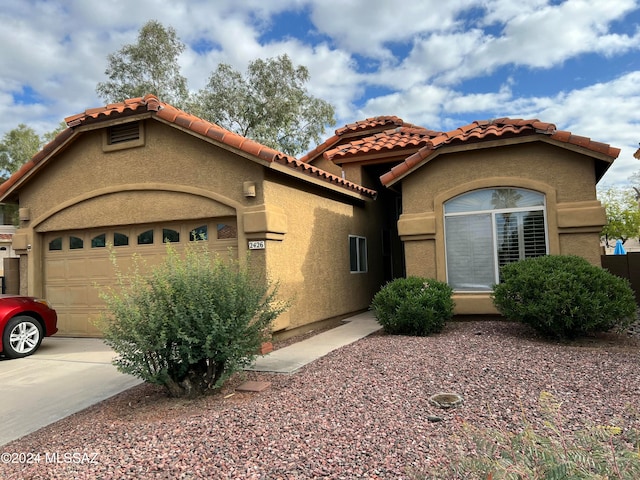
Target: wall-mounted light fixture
[24,214]
[249,189]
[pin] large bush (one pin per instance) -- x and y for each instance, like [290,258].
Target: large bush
[564,296]
[190,322]
[413,306]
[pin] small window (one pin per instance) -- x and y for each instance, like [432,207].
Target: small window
[145,238]
[55,244]
[227,231]
[120,240]
[358,254]
[75,243]
[199,233]
[170,236]
[99,241]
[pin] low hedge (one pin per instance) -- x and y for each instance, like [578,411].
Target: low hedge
[564,296]
[413,306]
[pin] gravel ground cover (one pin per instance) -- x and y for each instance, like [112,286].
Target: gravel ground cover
[360,412]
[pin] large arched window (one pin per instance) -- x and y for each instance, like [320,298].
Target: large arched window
[488,228]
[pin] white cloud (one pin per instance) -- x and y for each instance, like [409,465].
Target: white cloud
[418,52]
[369,27]
[536,36]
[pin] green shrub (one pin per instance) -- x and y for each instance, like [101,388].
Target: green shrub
[413,306]
[564,296]
[189,323]
[548,451]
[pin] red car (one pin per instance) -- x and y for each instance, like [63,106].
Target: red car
[24,322]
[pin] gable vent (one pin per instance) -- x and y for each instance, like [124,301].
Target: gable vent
[126,132]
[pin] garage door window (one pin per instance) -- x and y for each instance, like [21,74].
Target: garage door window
[146,238]
[99,241]
[170,236]
[199,233]
[227,231]
[75,243]
[55,244]
[120,240]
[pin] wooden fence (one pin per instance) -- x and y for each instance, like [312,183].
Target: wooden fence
[625,266]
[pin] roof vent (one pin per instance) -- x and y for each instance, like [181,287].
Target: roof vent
[126,132]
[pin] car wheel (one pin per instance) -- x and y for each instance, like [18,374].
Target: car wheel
[22,336]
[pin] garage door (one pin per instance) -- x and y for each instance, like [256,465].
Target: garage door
[77,264]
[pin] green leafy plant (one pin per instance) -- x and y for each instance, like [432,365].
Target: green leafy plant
[548,451]
[413,306]
[564,296]
[189,323]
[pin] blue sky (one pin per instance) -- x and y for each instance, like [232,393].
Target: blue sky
[574,63]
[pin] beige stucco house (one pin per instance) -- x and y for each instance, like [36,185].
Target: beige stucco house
[378,200]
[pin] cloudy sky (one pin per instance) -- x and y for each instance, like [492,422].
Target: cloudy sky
[439,64]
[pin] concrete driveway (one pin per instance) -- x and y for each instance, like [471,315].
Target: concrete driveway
[64,376]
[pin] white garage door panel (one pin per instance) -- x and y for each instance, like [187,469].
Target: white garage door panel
[74,278]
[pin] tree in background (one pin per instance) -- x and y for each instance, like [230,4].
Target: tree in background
[148,66]
[623,214]
[268,104]
[17,147]
[49,136]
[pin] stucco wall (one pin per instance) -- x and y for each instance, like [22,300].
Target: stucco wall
[570,174]
[169,157]
[174,176]
[312,259]
[566,178]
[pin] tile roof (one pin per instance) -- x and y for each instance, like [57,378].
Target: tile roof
[359,129]
[487,130]
[170,114]
[397,140]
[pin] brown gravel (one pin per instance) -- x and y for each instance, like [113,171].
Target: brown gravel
[360,412]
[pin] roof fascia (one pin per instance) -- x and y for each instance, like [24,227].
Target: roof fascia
[278,167]
[371,159]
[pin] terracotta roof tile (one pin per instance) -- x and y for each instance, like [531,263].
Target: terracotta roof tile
[170,114]
[485,130]
[316,152]
[373,122]
[357,130]
[399,139]
[314,171]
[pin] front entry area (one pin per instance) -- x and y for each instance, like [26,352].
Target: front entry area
[78,264]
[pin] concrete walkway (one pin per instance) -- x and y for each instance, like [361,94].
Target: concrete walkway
[64,376]
[67,375]
[291,358]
